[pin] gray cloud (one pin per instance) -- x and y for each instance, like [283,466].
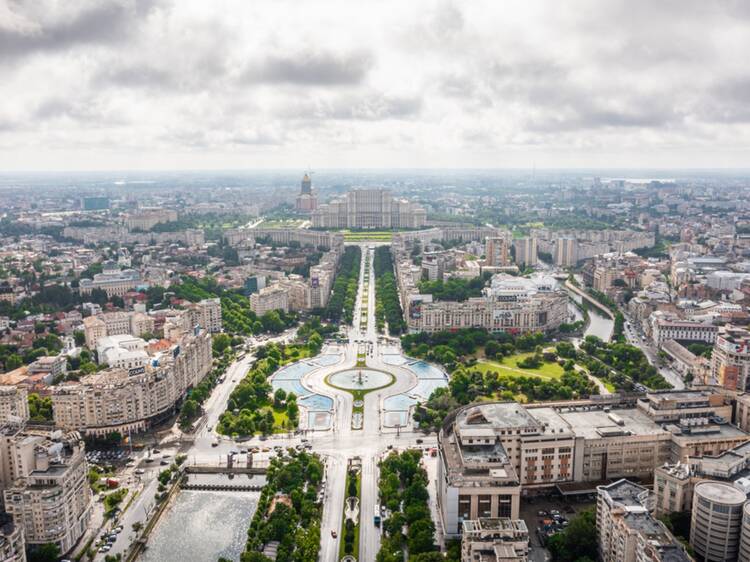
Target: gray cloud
[368,107]
[110,21]
[727,102]
[312,68]
[448,78]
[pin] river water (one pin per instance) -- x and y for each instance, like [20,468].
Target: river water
[202,526]
[599,325]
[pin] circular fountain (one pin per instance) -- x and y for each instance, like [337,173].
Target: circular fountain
[359,379]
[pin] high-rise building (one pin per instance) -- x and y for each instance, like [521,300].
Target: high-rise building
[566,252]
[12,544]
[307,201]
[369,208]
[94,203]
[268,299]
[628,532]
[14,405]
[730,359]
[496,251]
[526,251]
[46,490]
[716,521]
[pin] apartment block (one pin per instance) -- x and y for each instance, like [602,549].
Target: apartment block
[628,532]
[494,539]
[46,490]
[132,400]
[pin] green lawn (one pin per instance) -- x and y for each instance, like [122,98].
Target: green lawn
[508,367]
[280,419]
[380,236]
[280,223]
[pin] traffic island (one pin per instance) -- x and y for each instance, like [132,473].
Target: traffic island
[358,382]
[349,544]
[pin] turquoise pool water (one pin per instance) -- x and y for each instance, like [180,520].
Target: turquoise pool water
[294,371]
[327,360]
[424,370]
[317,402]
[398,402]
[290,385]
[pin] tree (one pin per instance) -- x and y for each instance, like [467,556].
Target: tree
[221,342]
[44,553]
[278,397]
[80,338]
[577,541]
[190,410]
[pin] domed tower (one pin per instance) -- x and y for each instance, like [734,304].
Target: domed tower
[306,200]
[306,185]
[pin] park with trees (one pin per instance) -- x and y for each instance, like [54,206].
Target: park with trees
[387,302]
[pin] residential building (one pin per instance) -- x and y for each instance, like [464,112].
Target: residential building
[730,360]
[14,405]
[207,313]
[45,481]
[494,539]
[628,532]
[132,400]
[716,521]
[526,251]
[12,543]
[52,365]
[664,329]
[497,251]
[94,328]
[565,252]
[510,304]
[270,298]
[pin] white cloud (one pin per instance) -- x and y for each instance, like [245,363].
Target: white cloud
[189,83]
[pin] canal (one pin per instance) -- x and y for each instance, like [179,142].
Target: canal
[599,325]
[202,526]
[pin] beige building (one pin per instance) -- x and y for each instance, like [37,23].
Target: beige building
[716,521]
[93,328]
[628,532]
[207,313]
[526,251]
[497,251]
[510,304]
[730,360]
[369,208]
[114,283]
[270,298]
[498,539]
[147,219]
[120,400]
[14,404]
[12,543]
[565,252]
[46,490]
[559,444]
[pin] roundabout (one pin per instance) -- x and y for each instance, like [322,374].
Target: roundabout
[360,379]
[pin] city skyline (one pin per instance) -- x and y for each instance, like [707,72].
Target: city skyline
[157,86]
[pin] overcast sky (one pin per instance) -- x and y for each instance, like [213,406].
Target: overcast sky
[208,84]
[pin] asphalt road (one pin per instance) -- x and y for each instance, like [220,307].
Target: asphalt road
[336,445]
